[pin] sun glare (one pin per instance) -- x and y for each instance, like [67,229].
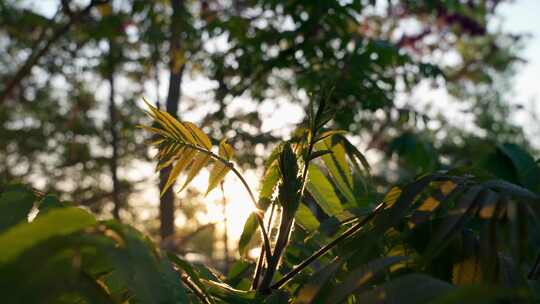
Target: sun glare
[238,207]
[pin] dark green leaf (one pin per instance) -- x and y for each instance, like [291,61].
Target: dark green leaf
[15,204]
[24,235]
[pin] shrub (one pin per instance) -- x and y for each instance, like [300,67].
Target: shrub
[453,236]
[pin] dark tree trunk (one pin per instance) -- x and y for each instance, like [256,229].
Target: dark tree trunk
[113,120]
[166,205]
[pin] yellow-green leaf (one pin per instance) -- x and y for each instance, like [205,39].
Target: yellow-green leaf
[198,163]
[177,127]
[181,164]
[155,130]
[225,150]
[250,227]
[201,138]
[217,174]
[305,218]
[392,196]
[161,119]
[326,134]
[164,163]
[467,271]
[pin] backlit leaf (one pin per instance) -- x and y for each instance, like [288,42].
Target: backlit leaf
[55,223]
[337,166]
[322,190]
[200,160]
[225,150]
[179,166]
[305,218]
[217,174]
[250,227]
[200,137]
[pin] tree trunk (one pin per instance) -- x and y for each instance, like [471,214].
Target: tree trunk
[113,120]
[176,67]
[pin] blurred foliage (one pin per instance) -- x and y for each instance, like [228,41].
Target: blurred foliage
[375,57]
[451,236]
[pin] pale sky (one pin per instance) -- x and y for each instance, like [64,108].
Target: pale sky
[524,16]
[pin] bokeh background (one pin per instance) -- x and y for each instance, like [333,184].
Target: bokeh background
[419,85]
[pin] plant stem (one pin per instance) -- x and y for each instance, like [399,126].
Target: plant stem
[258,211]
[286,278]
[194,288]
[258,267]
[287,222]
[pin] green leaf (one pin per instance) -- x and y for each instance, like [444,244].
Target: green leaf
[354,154]
[316,154]
[230,295]
[250,227]
[48,203]
[277,297]
[526,169]
[410,288]
[266,191]
[141,269]
[337,166]
[238,271]
[15,204]
[323,192]
[484,294]
[309,292]
[268,183]
[58,222]
[305,218]
[512,189]
[358,277]
[456,220]
[189,270]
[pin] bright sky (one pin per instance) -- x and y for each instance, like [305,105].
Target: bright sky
[523,16]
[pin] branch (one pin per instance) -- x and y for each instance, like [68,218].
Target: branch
[286,278]
[40,52]
[259,265]
[193,287]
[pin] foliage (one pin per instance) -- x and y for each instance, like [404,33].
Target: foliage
[452,236]
[458,221]
[272,50]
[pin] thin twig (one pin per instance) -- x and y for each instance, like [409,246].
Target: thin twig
[286,278]
[259,266]
[285,226]
[230,165]
[193,287]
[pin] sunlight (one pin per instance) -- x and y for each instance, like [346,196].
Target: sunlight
[239,205]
